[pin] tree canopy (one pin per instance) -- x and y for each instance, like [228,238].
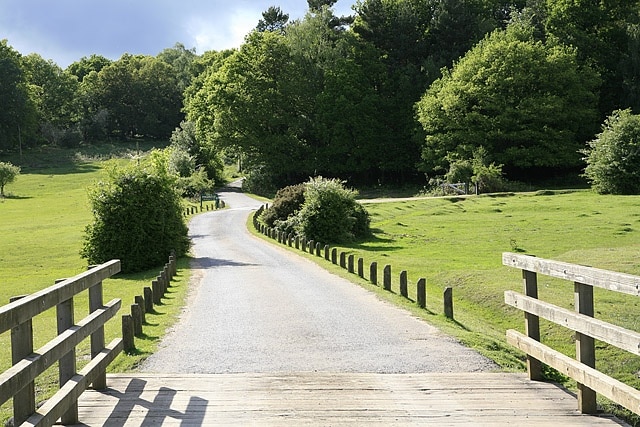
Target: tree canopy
[500,96]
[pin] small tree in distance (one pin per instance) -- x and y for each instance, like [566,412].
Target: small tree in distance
[8,174]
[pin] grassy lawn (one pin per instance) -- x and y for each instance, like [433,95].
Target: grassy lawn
[42,227]
[458,243]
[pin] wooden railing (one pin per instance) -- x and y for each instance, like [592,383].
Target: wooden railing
[18,381]
[587,329]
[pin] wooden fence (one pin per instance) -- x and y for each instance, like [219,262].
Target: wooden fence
[581,321]
[348,262]
[18,381]
[134,321]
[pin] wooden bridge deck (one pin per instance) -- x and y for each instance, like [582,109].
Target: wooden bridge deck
[327,399]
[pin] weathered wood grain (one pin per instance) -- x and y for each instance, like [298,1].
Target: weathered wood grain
[478,399]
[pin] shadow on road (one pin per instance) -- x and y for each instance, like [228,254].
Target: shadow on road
[204,263]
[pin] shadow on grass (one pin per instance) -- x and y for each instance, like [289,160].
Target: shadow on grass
[14,197]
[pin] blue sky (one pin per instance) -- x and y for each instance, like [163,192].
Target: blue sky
[66,30]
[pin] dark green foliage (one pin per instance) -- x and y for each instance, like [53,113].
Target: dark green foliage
[286,203]
[137,219]
[613,158]
[330,213]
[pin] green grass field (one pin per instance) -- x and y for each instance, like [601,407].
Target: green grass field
[41,228]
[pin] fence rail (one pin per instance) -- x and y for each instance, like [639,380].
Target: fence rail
[586,328]
[18,381]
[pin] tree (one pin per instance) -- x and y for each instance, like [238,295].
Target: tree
[8,174]
[181,60]
[273,19]
[254,104]
[86,65]
[613,157]
[137,217]
[17,115]
[528,103]
[140,93]
[55,96]
[600,31]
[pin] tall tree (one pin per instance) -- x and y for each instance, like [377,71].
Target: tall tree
[55,94]
[17,115]
[86,65]
[273,19]
[141,95]
[529,104]
[181,59]
[599,30]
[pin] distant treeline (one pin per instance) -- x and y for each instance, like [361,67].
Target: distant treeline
[401,89]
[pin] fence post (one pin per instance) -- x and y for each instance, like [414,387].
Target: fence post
[297,242]
[318,249]
[343,259]
[403,284]
[334,255]
[24,401]
[290,241]
[311,245]
[67,363]
[373,273]
[421,296]
[532,323]
[361,267]
[136,315]
[350,263]
[155,287]
[448,303]
[139,299]
[304,244]
[585,347]
[97,338]
[387,277]
[148,299]
[127,333]
[326,252]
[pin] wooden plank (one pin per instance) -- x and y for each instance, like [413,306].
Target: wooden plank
[20,311]
[598,329]
[336,399]
[30,367]
[611,388]
[610,280]
[57,405]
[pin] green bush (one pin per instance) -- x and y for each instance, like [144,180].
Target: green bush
[330,212]
[286,203]
[8,174]
[137,219]
[613,158]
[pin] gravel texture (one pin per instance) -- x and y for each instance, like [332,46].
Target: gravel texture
[257,307]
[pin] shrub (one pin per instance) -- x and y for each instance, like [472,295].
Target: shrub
[286,203]
[137,219]
[330,212]
[8,174]
[613,157]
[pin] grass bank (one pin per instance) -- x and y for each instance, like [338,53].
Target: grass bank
[42,225]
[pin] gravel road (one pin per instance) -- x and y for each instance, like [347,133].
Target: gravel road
[255,307]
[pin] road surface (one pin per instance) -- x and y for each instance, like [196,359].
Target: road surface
[255,307]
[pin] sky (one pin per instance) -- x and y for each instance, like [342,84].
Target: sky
[66,30]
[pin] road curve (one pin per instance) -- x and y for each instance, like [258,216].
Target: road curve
[255,307]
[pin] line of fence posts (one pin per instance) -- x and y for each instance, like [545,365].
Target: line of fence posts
[206,207]
[133,322]
[348,262]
